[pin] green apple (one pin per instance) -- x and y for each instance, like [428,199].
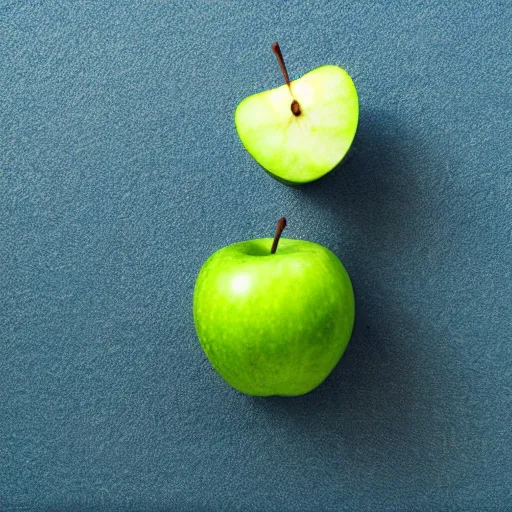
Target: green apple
[273,321]
[302,130]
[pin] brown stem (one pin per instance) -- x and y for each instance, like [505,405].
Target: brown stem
[281,224]
[277,50]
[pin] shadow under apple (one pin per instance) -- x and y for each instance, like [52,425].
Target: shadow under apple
[383,406]
[374,187]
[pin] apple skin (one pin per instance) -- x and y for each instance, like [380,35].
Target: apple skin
[273,324]
[300,149]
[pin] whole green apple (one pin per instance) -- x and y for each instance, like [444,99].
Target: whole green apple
[274,320]
[302,130]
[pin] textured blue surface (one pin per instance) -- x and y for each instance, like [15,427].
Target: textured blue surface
[121,172]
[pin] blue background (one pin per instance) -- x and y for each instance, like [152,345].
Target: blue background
[121,172]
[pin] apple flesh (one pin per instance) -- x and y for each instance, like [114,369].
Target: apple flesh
[301,148]
[273,324]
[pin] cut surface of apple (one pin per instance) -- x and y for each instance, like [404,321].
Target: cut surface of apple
[301,148]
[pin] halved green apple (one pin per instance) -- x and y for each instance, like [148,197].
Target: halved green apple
[302,130]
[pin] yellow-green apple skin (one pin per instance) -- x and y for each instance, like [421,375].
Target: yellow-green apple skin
[273,324]
[303,148]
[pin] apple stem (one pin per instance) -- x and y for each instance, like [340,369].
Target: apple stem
[281,224]
[277,50]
